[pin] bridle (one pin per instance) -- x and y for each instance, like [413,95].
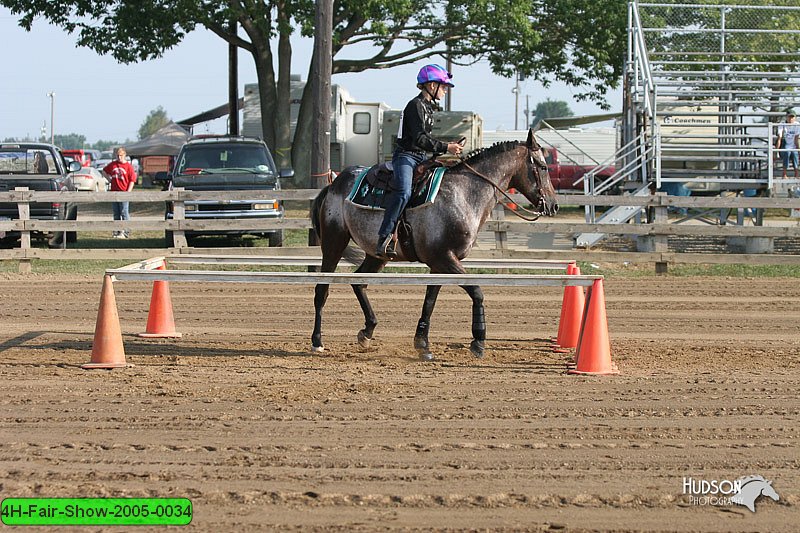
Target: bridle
[535,215]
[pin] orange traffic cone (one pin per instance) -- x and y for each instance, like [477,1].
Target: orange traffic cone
[107,349]
[511,205]
[569,325]
[160,322]
[593,355]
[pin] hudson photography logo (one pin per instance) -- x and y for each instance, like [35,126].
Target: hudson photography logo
[722,492]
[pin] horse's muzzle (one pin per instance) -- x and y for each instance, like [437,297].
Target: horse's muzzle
[549,208]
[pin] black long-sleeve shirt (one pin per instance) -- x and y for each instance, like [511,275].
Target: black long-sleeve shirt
[416,125]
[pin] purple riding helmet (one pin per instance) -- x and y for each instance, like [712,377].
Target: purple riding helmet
[434,73]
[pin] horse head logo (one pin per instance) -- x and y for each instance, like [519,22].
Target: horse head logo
[752,488]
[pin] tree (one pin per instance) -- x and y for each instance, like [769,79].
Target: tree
[156,120]
[549,109]
[580,42]
[70,141]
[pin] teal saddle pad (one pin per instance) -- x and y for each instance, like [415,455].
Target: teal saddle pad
[365,195]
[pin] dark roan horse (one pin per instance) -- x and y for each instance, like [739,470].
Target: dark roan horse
[443,232]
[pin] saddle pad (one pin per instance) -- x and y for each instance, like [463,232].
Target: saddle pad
[365,195]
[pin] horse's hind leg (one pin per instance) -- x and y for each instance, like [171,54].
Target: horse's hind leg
[370,264]
[424,325]
[478,320]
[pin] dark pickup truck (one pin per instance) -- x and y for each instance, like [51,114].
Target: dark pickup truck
[39,167]
[227,163]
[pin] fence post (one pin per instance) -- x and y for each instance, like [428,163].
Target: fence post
[656,243]
[179,215]
[500,236]
[24,209]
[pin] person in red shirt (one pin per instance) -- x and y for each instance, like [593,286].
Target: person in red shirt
[122,176]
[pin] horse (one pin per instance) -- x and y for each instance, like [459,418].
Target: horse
[442,232]
[752,488]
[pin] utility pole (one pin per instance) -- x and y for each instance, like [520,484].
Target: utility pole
[321,91]
[448,97]
[527,111]
[515,90]
[52,96]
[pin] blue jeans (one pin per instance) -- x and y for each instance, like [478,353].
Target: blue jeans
[120,210]
[790,156]
[403,164]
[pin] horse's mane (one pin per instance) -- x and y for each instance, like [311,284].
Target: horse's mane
[476,156]
[747,479]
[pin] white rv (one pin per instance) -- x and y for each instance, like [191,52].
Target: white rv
[362,133]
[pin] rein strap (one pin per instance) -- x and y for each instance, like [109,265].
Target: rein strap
[536,215]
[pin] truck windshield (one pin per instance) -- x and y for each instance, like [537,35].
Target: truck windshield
[226,158]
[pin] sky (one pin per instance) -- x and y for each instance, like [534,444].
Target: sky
[104,100]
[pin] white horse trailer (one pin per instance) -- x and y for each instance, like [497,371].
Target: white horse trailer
[362,133]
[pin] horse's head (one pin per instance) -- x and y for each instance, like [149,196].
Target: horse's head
[534,182]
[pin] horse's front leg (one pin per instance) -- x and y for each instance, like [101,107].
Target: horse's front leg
[320,297]
[370,264]
[478,320]
[424,324]
[370,320]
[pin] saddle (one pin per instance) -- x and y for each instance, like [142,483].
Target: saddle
[379,176]
[372,184]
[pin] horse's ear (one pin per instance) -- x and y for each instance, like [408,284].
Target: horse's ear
[532,143]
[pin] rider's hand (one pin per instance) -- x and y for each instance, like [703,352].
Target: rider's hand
[454,148]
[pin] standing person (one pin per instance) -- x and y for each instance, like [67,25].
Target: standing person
[123,177]
[413,141]
[787,140]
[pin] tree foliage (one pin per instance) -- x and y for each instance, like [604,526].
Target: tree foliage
[69,141]
[156,120]
[549,109]
[578,42]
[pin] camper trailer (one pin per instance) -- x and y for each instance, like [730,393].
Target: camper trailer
[362,133]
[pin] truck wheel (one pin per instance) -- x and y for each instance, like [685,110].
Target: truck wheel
[276,239]
[72,214]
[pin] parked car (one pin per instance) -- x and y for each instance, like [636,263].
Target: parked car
[39,167]
[105,158]
[566,175]
[89,179]
[227,163]
[86,157]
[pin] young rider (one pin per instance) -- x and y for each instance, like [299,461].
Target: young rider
[413,141]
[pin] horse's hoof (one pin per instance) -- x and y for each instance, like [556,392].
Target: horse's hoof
[363,341]
[426,356]
[476,347]
[317,349]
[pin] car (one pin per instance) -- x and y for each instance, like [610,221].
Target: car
[89,179]
[105,158]
[39,167]
[227,163]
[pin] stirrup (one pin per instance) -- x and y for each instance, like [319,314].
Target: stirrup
[386,248]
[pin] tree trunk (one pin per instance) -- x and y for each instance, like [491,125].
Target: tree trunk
[266,91]
[283,127]
[301,147]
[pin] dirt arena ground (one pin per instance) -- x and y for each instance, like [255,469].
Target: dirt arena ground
[261,435]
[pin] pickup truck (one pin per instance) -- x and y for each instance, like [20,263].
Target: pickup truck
[226,163]
[39,167]
[564,173]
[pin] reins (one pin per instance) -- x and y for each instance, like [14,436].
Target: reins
[535,214]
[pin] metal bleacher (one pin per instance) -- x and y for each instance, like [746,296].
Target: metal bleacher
[706,87]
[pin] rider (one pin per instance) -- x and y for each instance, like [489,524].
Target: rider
[413,140]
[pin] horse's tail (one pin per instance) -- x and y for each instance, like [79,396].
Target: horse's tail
[316,207]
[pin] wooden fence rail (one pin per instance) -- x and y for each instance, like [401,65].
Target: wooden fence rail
[655,252]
